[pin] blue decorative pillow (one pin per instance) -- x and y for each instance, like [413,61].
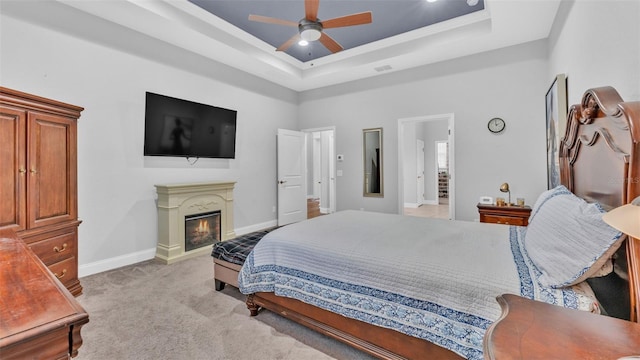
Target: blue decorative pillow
[567,240]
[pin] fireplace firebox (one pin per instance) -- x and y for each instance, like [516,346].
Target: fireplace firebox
[201,230]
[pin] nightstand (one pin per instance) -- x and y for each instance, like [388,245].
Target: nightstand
[531,329]
[508,215]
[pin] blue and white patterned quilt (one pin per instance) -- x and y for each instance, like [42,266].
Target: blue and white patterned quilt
[429,278]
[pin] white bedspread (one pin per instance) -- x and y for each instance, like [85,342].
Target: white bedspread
[429,278]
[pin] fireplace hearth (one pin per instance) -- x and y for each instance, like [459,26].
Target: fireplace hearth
[192,217]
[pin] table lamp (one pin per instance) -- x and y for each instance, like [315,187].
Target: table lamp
[625,218]
[505,188]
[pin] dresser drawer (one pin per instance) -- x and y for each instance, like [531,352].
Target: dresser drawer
[506,220]
[56,249]
[66,270]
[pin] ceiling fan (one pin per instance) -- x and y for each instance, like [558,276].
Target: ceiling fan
[310,27]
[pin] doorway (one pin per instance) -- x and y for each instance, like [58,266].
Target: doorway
[321,169]
[434,134]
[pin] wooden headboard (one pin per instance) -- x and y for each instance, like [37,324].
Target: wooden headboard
[600,162]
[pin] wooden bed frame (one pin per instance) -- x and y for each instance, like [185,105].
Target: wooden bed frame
[600,161]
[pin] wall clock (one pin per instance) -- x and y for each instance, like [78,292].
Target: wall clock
[496,125]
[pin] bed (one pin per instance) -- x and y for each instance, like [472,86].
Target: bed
[401,287]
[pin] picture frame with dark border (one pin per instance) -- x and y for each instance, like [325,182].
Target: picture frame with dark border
[556,122]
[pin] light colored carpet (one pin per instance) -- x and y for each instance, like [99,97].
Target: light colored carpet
[156,311]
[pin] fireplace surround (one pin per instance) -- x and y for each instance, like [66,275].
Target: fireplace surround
[177,203]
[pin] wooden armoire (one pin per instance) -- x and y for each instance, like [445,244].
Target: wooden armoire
[38,181]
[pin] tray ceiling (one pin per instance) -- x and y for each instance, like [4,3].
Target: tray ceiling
[390,18]
[403,34]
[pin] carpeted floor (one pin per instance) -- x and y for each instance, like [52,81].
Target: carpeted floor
[156,311]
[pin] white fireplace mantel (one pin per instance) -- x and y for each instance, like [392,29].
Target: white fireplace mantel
[175,201]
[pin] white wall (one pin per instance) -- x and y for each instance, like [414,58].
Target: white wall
[115,181]
[597,43]
[508,83]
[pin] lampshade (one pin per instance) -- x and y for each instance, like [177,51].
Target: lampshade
[505,188]
[625,218]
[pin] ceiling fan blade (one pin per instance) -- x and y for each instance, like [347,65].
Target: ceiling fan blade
[270,20]
[311,9]
[330,44]
[294,39]
[348,20]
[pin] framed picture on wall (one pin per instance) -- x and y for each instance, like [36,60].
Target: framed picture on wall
[556,105]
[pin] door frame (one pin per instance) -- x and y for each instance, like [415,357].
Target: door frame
[332,164]
[449,117]
[420,189]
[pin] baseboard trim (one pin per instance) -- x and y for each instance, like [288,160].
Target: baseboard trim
[115,262]
[148,254]
[430,202]
[256,227]
[411,205]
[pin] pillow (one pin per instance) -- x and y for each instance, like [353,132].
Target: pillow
[558,190]
[567,240]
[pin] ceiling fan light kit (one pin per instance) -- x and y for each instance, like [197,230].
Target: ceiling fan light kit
[309,30]
[310,27]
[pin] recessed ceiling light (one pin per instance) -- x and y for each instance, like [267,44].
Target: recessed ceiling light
[472,2]
[303,42]
[432,0]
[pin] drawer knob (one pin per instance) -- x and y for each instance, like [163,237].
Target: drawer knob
[64,272]
[59,250]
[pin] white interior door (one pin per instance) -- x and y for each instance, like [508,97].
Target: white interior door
[317,169]
[292,199]
[420,171]
[332,173]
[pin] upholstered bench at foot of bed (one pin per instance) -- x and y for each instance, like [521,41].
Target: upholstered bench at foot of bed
[228,257]
[225,273]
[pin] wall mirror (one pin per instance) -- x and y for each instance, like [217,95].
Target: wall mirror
[372,155]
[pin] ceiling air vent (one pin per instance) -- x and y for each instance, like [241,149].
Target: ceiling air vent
[383,68]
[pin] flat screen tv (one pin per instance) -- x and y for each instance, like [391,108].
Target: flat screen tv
[175,127]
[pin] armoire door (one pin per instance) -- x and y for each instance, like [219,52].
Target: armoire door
[13,175]
[51,167]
